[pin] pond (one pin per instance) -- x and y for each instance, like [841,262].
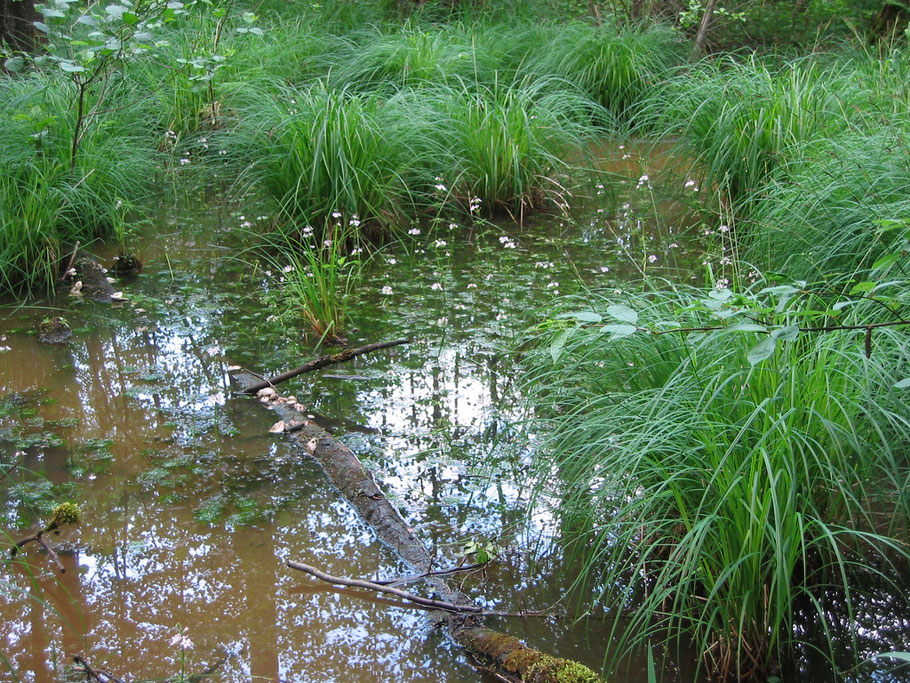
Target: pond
[191,507]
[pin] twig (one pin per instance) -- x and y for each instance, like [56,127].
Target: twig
[95,673]
[426,575]
[69,264]
[37,537]
[405,595]
[321,362]
[52,554]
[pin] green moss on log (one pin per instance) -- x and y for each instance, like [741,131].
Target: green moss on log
[522,662]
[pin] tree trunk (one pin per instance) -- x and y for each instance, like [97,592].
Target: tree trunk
[17,27]
[890,20]
[699,48]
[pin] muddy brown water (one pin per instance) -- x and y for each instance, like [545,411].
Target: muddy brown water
[192,507]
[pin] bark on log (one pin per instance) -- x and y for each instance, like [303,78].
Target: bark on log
[505,656]
[321,362]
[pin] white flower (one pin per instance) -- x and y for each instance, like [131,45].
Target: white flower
[643,180]
[441,187]
[690,183]
[386,290]
[336,214]
[471,285]
[414,231]
[652,258]
[392,261]
[439,243]
[287,269]
[436,286]
[605,269]
[724,228]
[184,161]
[452,226]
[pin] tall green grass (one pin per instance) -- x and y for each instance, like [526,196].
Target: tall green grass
[319,276]
[841,208]
[502,148]
[739,122]
[316,151]
[46,206]
[410,57]
[617,67]
[709,492]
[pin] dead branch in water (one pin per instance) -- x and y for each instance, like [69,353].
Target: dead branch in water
[321,362]
[99,675]
[405,595]
[37,538]
[426,575]
[504,656]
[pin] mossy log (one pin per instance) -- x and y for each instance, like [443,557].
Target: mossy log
[506,654]
[503,655]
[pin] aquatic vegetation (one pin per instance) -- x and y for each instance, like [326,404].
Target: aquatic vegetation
[502,148]
[617,67]
[320,273]
[410,57]
[316,151]
[718,482]
[740,122]
[842,208]
[46,202]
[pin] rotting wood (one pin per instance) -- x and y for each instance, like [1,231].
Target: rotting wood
[321,362]
[504,656]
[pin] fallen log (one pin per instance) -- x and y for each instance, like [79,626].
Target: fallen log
[321,362]
[504,656]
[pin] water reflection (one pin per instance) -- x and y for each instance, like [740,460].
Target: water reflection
[191,507]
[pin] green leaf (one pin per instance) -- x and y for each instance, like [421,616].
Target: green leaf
[862,287]
[746,327]
[720,294]
[885,261]
[130,19]
[559,343]
[52,13]
[71,68]
[623,314]
[257,31]
[41,26]
[903,384]
[14,64]
[619,331]
[762,351]
[788,333]
[583,316]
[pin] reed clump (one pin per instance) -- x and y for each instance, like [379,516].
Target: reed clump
[48,199]
[715,478]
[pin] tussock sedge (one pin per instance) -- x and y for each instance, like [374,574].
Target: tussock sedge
[715,482]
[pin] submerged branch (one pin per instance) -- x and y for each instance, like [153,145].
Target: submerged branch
[426,575]
[405,595]
[321,362]
[99,675]
[38,538]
